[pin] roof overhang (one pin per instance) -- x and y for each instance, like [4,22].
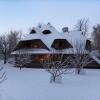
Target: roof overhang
[45,51]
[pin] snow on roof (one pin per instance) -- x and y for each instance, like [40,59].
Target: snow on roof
[96,59]
[47,27]
[95,53]
[72,37]
[45,51]
[31,51]
[32,37]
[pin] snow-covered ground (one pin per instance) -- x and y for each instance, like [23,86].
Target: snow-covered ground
[33,84]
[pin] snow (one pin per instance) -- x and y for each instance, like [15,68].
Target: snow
[31,37]
[95,53]
[96,59]
[71,37]
[45,51]
[33,84]
[32,51]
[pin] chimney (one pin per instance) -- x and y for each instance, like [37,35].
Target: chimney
[65,29]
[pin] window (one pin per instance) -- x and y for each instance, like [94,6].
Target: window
[32,31]
[46,32]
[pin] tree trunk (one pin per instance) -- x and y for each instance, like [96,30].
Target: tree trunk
[77,70]
[52,79]
[5,59]
[5,56]
[20,67]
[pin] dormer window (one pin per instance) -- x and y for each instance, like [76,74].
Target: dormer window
[33,44]
[32,31]
[46,32]
[61,44]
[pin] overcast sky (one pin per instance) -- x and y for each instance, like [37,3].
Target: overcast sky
[22,14]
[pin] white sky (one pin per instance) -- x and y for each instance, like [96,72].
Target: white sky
[22,14]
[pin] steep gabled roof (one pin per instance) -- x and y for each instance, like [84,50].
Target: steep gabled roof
[72,37]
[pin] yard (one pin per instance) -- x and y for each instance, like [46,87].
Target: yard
[33,84]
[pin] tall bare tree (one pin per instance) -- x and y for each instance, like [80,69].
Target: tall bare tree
[96,36]
[13,38]
[4,47]
[80,58]
[82,25]
[8,43]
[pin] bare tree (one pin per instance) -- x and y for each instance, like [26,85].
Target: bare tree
[4,47]
[56,65]
[83,25]
[13,38]
[80,58]
[22,59]
[8,43]
[96,36]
